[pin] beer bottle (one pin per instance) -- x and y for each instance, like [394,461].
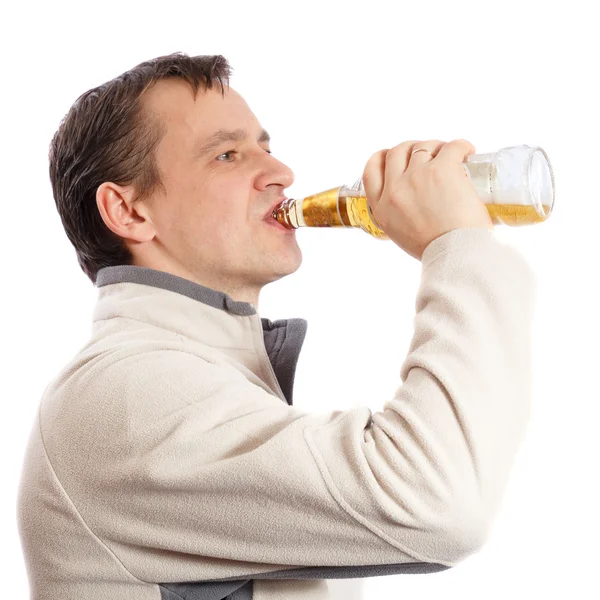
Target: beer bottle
[516,184]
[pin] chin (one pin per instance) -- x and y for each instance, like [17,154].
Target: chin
[296,265]
[290,267]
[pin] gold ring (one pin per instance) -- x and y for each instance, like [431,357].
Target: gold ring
[421,150]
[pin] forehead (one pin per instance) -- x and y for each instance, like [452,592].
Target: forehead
[173,101]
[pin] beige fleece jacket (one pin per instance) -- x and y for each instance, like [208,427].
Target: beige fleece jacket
[168,461]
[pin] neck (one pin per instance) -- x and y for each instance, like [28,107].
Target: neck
[235,289]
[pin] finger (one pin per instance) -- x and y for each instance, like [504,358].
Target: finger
[419,158]
[374,177]
[399,156]
[455,151]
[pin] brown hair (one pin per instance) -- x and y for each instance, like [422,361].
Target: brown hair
[108,135]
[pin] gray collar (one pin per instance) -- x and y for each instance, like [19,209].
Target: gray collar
[173,283]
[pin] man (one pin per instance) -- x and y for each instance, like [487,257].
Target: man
[167,460]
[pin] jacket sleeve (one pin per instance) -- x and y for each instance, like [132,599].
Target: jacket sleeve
[190,472]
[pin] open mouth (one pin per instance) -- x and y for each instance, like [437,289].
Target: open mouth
[271,220]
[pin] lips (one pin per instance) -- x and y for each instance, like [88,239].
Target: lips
[274,206]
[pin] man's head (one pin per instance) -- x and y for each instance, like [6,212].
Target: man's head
[135,183]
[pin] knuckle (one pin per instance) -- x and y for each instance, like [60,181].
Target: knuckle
[394,151]
[439,173]
[462,142]
[395,154]
[414,176]
[436,167]
[377,156]
[436,172]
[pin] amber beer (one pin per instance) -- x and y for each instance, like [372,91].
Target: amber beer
[515,191]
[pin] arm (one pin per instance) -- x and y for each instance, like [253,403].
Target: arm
[191,473]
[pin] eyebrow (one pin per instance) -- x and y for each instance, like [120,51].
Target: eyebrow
[223,135]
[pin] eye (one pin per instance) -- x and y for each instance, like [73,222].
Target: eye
[224,153]
[233,152]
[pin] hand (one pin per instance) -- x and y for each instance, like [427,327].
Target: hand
[416,198]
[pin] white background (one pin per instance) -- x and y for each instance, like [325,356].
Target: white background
[333,83]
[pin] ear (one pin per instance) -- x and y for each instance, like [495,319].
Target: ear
[121,214]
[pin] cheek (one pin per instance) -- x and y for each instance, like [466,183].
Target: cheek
[215,226]
[211,208]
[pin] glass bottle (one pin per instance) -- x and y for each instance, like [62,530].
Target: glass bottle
[516,184]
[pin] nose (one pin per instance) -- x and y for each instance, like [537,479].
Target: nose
[274,172]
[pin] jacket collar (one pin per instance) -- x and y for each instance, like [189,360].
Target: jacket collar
[182,307]
[193,311]
[173,283]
